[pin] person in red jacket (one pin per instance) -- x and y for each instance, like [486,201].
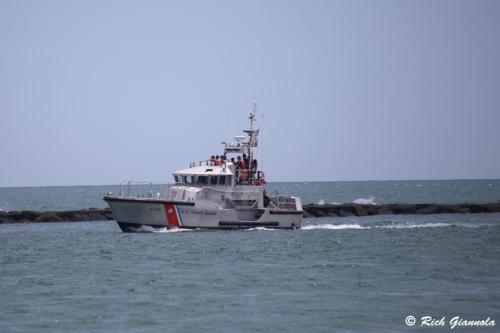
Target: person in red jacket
[241,163]
[245,159]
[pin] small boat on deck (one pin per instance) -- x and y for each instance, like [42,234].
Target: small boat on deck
[219,193]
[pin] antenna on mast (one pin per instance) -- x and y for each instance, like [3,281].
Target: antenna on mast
[253,114]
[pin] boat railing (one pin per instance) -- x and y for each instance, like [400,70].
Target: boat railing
[204,163]
[226,190]
[283,202]
[209,163]
[229,198]
[200,163]
[250,176]
[144,188]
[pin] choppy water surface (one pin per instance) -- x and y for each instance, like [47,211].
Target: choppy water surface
[335,275]
[429,191]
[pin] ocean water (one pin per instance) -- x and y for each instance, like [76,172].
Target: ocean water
[335,275]
[428,191]
[356,274]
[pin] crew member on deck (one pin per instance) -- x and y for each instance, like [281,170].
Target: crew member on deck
[266,199]
[241,163]
[254,165]
[217,160]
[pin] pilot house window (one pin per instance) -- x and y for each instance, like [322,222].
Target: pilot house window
[188,179]
[202,180]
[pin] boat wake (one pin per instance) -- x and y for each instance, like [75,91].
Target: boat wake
[329,226]
[333,226]
[259,229]
[392,226]
[146,228]
[426,225]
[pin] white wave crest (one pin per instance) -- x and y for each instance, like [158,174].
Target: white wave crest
[393,226]
[259,228]
[365,201]
[411,226]
[321,202]
[147,228]
[166,230]
[333,226]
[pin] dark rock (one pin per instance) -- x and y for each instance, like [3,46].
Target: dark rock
[310,210]
[92,214]
[313,210]
[345,213]
[48,217]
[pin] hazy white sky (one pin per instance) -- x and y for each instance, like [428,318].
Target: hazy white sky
[94,92]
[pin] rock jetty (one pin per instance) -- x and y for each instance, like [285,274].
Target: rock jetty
[91,214]
[343,210]
[310,210]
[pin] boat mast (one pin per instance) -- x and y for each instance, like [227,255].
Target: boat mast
[252,115]
[252,134]
[248,147]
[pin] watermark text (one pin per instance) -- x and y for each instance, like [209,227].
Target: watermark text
[452,323]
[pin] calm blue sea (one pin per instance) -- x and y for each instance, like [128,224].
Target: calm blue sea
[335,275]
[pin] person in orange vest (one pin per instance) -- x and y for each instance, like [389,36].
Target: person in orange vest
[243,175]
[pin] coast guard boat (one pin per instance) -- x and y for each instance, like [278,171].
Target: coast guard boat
[216,194]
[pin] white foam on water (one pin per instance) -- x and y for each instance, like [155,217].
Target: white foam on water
[393,226]
[435,225]
[321,202]
[147,228]
[329,226]
[333,226]
[166,230]
[411,226]
[259,228]
[365,201]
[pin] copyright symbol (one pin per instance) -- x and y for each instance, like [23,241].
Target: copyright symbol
[410,320]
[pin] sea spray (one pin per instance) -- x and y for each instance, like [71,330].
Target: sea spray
[365,201]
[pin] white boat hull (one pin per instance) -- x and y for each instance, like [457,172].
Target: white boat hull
[132,213]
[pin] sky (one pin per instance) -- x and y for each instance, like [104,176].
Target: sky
[96,92]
